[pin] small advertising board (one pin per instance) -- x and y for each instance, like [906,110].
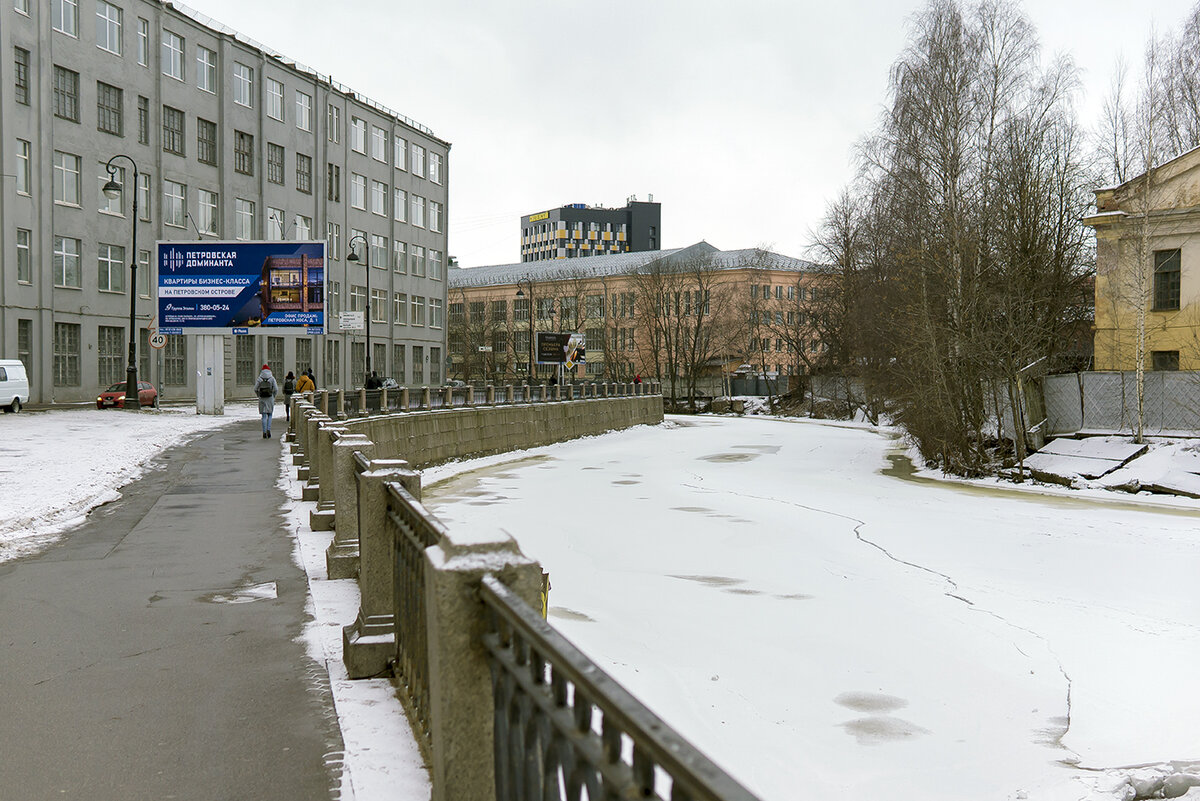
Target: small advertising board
[215,287]
[552,347]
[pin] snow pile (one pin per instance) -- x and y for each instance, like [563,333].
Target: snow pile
[58,465]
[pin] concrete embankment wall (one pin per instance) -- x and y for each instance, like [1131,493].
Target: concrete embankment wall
[437,436]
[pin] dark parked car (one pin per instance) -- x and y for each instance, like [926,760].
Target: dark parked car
[115,396]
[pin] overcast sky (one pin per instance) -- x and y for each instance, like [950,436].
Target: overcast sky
[739,116]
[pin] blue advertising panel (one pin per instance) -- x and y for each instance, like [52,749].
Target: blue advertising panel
[247,285]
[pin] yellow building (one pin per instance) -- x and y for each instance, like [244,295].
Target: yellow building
[1148,269]
[688,313]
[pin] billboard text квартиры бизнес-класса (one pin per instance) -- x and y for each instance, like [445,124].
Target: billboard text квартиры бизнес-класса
[218,286]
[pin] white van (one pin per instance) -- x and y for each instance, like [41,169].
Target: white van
[14,385]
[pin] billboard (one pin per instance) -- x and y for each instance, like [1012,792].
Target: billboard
[222,285]
[552,347]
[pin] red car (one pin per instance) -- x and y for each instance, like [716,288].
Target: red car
[115,396]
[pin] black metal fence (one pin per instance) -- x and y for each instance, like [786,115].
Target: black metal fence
[563,726]
[424,398]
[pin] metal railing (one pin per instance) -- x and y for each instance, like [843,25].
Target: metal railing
[356,401]
[548,743]
[413,530]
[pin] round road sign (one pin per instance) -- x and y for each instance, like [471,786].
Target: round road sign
[158,340]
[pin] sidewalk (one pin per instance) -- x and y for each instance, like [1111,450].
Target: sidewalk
[155,652]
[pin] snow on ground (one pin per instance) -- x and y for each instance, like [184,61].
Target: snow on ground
[56,466]
[823,623]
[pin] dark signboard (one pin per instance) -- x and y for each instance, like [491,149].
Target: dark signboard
[552,347]
[222,285]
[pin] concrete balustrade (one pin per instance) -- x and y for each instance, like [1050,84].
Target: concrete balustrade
[341,558]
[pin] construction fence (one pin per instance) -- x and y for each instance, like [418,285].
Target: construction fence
[1107,402]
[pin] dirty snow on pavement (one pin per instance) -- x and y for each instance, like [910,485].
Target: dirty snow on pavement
[56,466]
[824,624]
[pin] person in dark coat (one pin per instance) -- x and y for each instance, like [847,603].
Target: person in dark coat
[289,388]
[265,389]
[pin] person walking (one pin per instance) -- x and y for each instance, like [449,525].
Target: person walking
[265,388]
[289,387]
[304,384]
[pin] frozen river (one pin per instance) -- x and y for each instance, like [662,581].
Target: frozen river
[822,626]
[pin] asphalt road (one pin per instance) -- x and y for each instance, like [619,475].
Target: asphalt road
[153,653]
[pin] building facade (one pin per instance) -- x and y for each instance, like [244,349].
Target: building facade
[1148,259]
[578,230]
[694,312]
[229,141]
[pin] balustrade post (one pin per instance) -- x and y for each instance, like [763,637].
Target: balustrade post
[461,714]
[341,557]
[468,395]
[383,401]
[362,402]
[311,427]
[509,394]
[321,518]
[404,399]
[341,404]
[491,395]
[299,421]
[448,396]
[370,642]
[425,398]
[570,392]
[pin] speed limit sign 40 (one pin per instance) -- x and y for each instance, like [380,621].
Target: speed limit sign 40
[158,340]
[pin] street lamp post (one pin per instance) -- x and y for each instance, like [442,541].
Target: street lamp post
[112,190]
[367,314]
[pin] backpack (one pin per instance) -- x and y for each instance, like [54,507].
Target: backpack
[264,390]
[289,386]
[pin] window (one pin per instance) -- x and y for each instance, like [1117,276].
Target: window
[400,205]
[110,103]
[417,310]
[435,167]
[66,262]
[333,240]
[417,261]
[111,261]
[108,27]
[333,362]
[379,198]
[243,153]
[379,251]
[143,120]
[304,173]
[174,203]
[24,173]
[1166,280]
[208,212]
[435,216]
[66,178]
[303,111]
[66,94]
[1165,359]
[333,183]
[521,311]
[243,85]
[358,297]
[206,69]
[172,55]
[435,265]
[379,305]
[303,227]
[417,164]
[274,224]
[358,191]
[418,364]
[399,257]
[22,7]
[206,142]
[435,365]
[143,196]
[175,360]
[274,99]
[172,130]
[275,355]
[21,73]
[358,135]
[66,353]
[400,308]
[114,205]
[25,346]
[398,363]
[243,214]
[333,123]
[245,360]
[64,16]
[379,144]
[400,152]
[275,156]
[435,313]
[417,215]
[303,354]
[24,256]
[143,42]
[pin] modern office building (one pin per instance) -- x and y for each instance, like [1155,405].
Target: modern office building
[229,140]
[578,229]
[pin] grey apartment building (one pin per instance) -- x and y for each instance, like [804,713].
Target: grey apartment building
[578,229]
[230,141]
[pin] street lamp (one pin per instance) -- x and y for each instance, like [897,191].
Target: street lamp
[112,190]
[367,314]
